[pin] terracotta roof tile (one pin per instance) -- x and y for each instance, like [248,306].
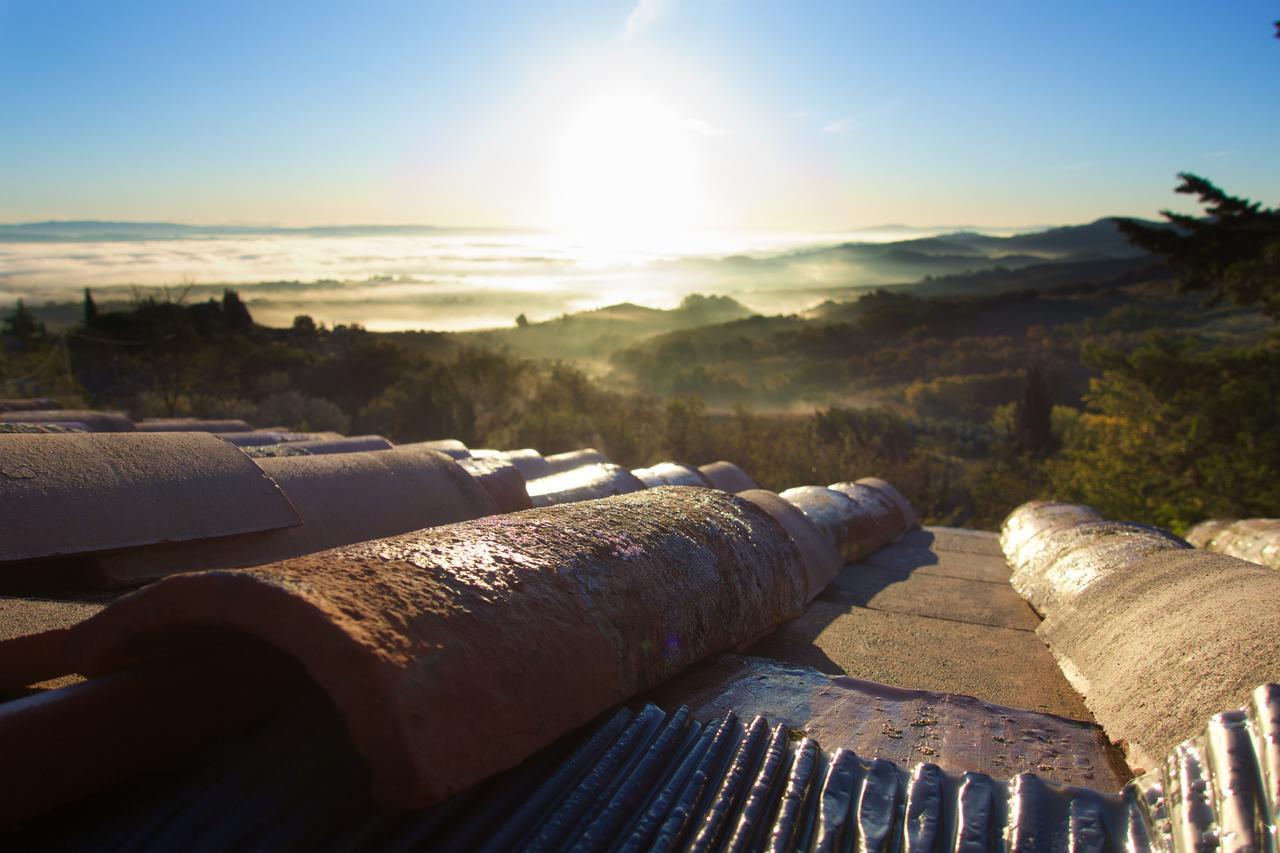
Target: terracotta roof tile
[429,632]
[727,476]
[528,461]
[255,437]
[340,499]
[94,421]
[81,493]
[448,446]
[575,459]
[501,479]
[671,474]
[1254,539]
[352,444]
[587,482]
[191,425]
[1155,635]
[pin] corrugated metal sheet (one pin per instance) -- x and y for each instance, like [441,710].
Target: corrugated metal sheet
[651,780]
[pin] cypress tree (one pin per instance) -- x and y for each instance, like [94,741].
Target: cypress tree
[90,310]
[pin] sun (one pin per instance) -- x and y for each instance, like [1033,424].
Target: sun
[627,174]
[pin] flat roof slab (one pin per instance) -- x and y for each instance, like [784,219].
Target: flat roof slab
[932,612]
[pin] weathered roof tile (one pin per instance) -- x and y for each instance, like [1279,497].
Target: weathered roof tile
[95,421]
[339,498]
[88,492]
[191,425]
[428,633]
[727,476]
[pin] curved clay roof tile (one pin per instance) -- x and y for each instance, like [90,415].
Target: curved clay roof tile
[456,652]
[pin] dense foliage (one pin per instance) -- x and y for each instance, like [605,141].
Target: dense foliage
[1233,253]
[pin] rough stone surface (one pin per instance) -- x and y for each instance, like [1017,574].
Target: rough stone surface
[86,492]
[671,474]
[946,641]
[1176,636]
[340,498]
[600,480]
[727,476]
[1254,539]
[456,652]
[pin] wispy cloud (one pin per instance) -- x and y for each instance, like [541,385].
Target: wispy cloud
[644,14]
[848,123]
[1220,154]
[705,128]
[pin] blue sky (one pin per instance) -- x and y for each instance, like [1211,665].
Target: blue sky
[708,114]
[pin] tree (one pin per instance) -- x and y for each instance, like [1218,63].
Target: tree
[1032,422]
[24,327]
[1233,252]
[522,321]
[1176,433]
[90,310]
[304,326]
[235,312]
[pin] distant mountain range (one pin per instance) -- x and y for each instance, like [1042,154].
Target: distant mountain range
[774,282]
[1096,237]
[90,230]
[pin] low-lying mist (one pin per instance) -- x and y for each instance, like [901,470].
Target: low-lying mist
[395,278]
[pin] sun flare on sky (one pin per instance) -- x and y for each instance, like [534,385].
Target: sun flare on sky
[627,173]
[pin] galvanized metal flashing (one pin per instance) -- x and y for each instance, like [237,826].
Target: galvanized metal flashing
[653,780]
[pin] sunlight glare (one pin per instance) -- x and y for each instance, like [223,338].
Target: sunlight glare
[627,175]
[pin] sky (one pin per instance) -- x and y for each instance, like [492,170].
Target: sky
[636,116]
